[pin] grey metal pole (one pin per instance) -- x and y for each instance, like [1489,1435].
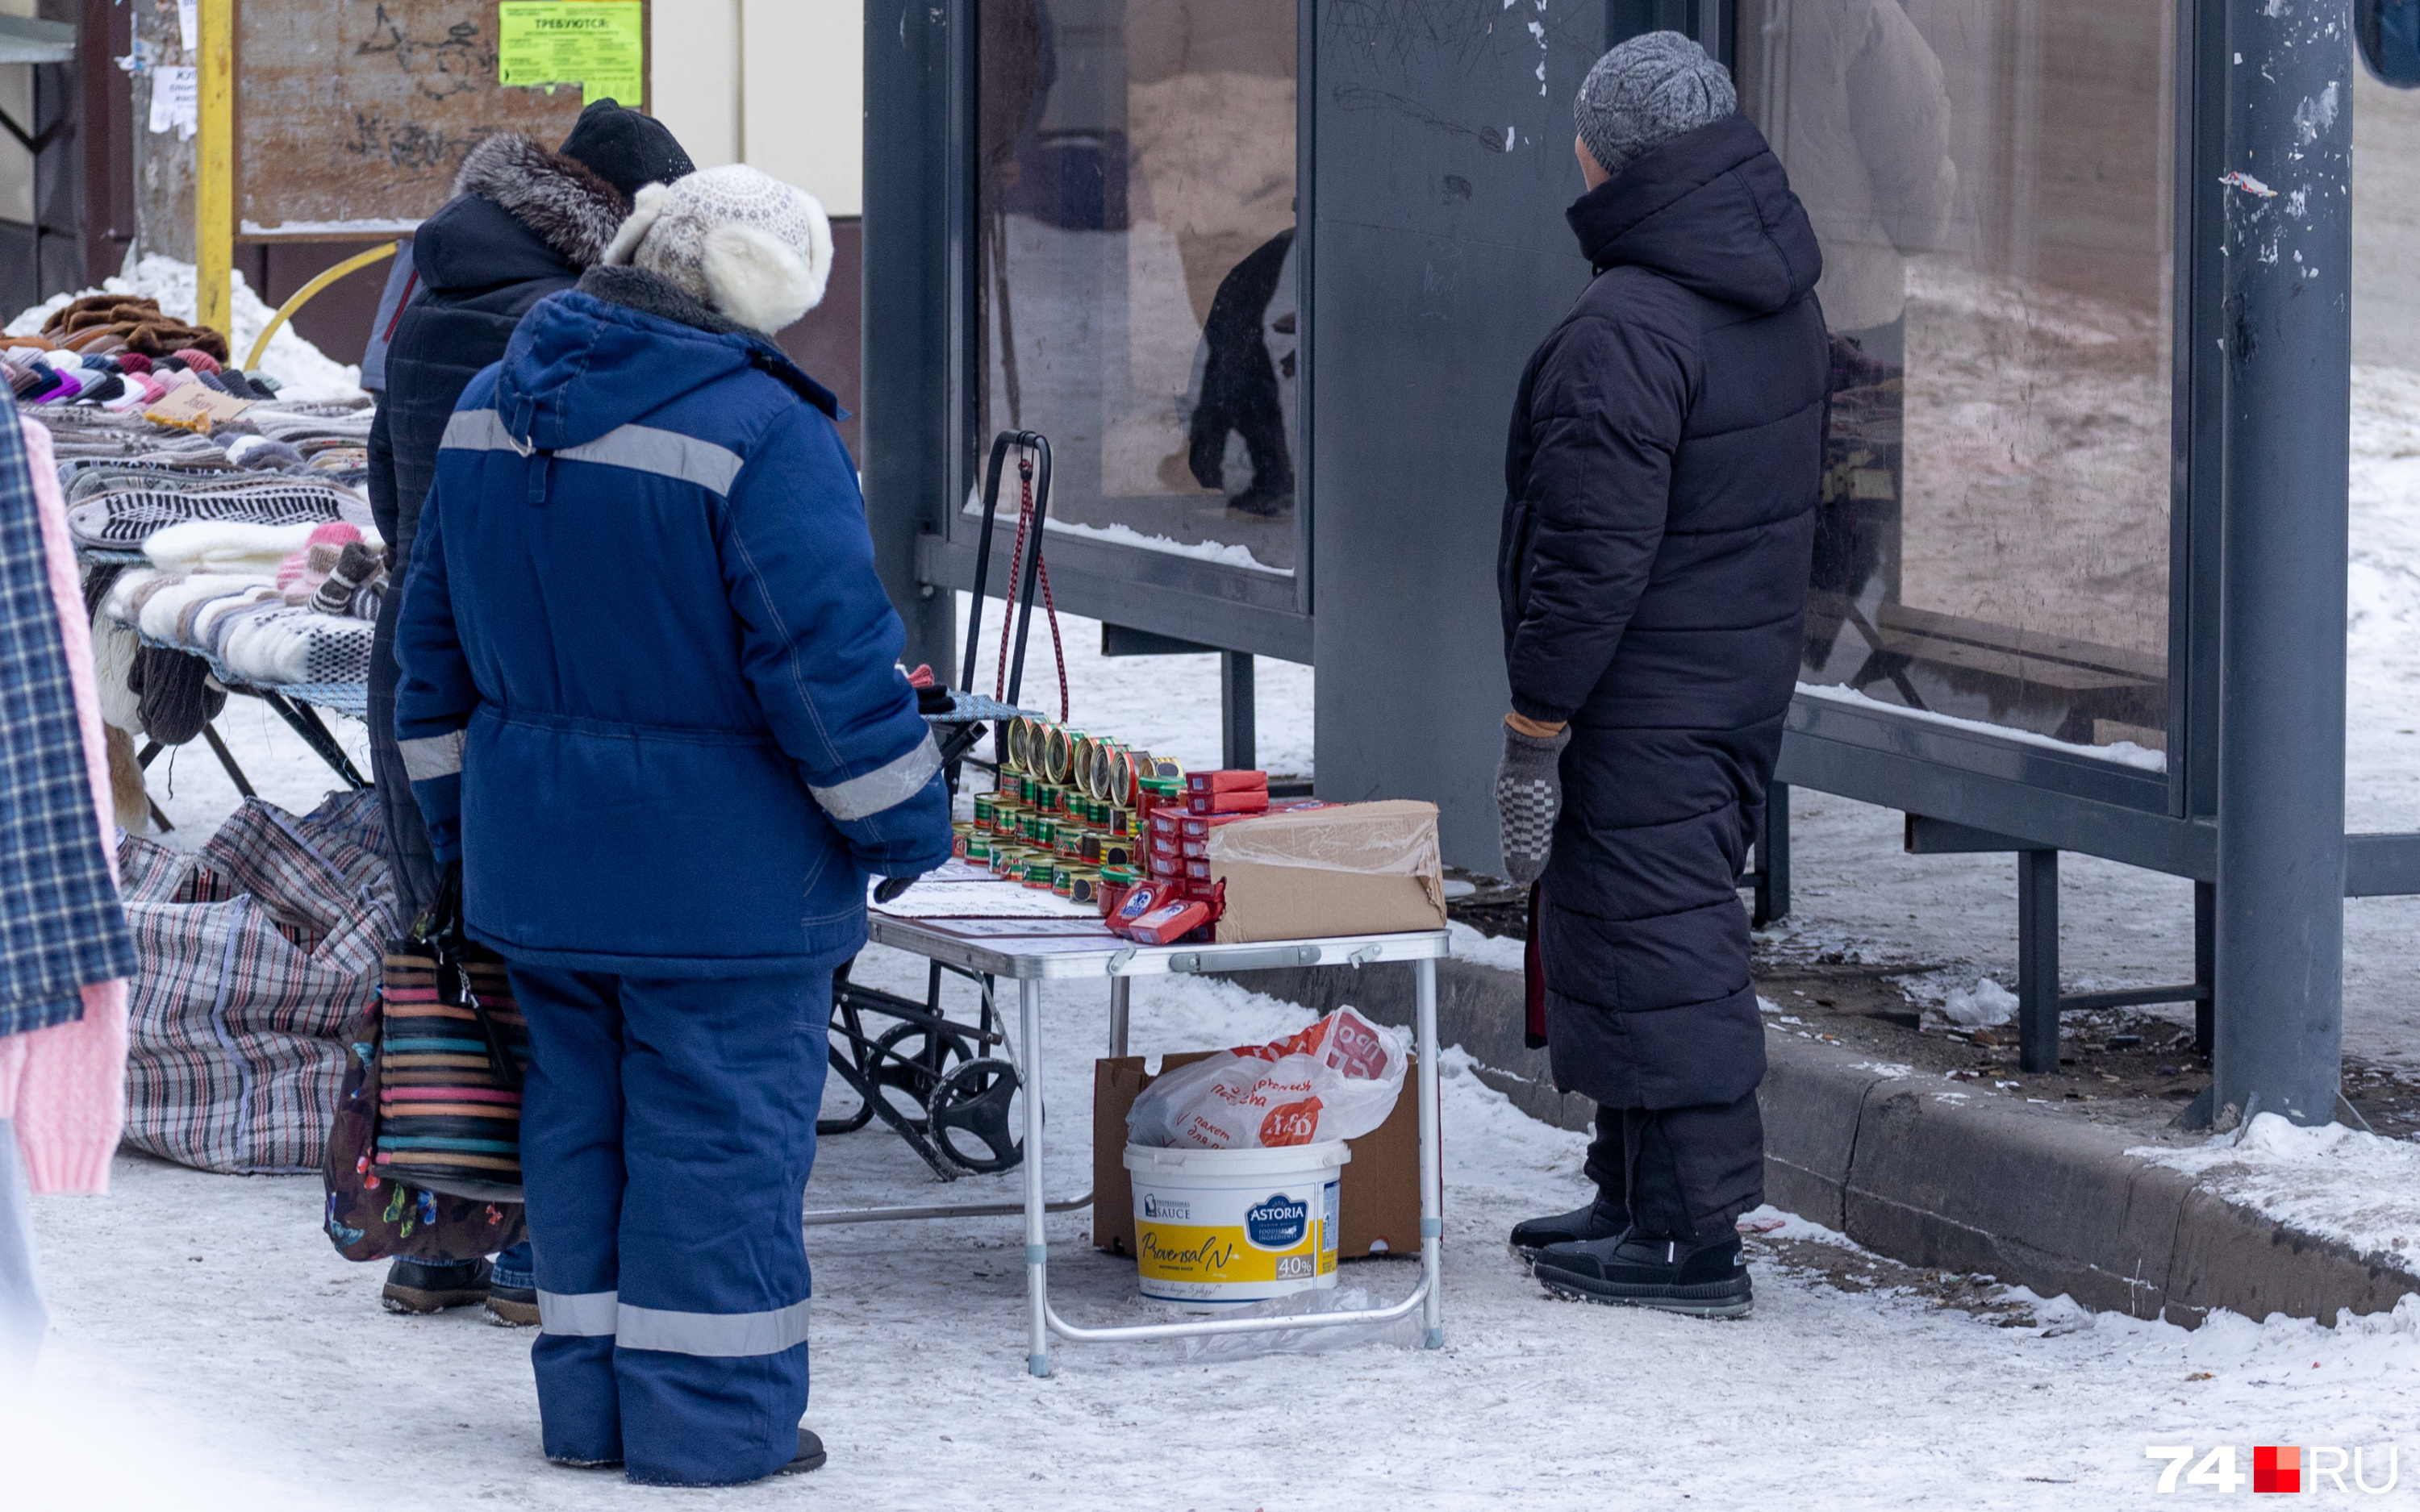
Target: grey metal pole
[1037,1242]
[2038,962]
[1424,1029]
[910,228]
[2281,854]
[1239,736]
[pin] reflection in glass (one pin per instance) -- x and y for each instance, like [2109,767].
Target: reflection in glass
[1137,276]
[1990,180]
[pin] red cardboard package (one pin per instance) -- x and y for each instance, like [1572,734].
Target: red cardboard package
[1169,922]
[1231,780]
[1141,898]
[1194,827]
[1234,801]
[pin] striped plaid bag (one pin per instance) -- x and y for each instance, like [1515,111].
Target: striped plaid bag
[257,952]
[451,1054]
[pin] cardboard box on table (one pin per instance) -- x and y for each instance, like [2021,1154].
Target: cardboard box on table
[1342,869]
[1379,1190]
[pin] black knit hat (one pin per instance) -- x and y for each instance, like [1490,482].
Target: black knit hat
[625,147]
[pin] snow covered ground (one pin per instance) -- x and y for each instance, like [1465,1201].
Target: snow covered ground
[210,1345]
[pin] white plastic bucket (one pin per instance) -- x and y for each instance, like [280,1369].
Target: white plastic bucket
[1214,1226]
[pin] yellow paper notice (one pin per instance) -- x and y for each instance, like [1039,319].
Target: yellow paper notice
[597,44]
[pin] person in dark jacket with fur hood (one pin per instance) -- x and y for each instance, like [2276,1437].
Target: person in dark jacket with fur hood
[524,223]
[1663,474]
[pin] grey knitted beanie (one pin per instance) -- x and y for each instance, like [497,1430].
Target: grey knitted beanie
[737,240]
[1646,92]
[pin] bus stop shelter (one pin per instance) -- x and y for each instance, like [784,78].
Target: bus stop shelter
[1266,273]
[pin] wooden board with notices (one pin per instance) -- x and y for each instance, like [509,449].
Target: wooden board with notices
[352,117]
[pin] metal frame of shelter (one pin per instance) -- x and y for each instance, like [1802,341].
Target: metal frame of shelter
[1419,309]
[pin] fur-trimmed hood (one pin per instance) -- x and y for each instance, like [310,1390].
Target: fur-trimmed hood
[557,197]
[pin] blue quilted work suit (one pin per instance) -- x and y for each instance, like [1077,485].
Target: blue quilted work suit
[651,700]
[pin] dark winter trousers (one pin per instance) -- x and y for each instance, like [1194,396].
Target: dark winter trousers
[1680,1173]
[667,1131]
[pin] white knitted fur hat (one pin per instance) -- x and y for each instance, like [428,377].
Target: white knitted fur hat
[733,239]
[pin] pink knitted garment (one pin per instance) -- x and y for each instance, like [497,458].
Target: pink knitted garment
[307,569]
[65,1086]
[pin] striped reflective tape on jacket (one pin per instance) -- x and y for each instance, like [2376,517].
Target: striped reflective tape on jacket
[888,785]
[640,448]
[714,1335]
[431,756]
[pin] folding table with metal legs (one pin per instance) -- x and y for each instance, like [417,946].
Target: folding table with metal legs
[1029,962]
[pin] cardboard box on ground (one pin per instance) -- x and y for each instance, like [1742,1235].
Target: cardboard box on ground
[1349,869]
[1379,1190]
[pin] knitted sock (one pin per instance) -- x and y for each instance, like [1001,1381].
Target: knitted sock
[353,567]
[317,557]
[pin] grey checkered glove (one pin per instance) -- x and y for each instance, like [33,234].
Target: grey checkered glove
[1529,796]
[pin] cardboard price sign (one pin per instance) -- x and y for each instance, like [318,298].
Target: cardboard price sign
[599,45]
[192,407]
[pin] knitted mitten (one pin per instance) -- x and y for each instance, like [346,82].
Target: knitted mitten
[1529,796]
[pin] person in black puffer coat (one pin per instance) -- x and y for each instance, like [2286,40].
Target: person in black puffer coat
[525,223]
[1663,474]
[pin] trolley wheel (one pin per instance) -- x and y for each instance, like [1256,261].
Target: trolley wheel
[972,1119]
[912,1060]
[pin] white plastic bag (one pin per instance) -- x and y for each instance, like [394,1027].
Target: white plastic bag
[1336,1080]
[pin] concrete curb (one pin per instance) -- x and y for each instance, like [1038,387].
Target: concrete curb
[1935,1177]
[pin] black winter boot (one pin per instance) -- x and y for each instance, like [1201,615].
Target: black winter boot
[1670,1258]
[1641,1270]
[1601,1219]
[811,1455]
[423,1287]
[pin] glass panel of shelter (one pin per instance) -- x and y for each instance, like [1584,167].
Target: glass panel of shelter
[1136,277]
[1991,181]
[2384,664]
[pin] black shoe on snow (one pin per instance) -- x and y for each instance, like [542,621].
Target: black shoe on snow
[1595,1220]
[512,1307]
[418,1287]
[810,1456]
[1640,1270]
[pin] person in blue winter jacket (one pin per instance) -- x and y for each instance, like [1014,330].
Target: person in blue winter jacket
[651,704]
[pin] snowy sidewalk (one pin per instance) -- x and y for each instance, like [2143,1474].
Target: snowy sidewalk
[208,1345]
